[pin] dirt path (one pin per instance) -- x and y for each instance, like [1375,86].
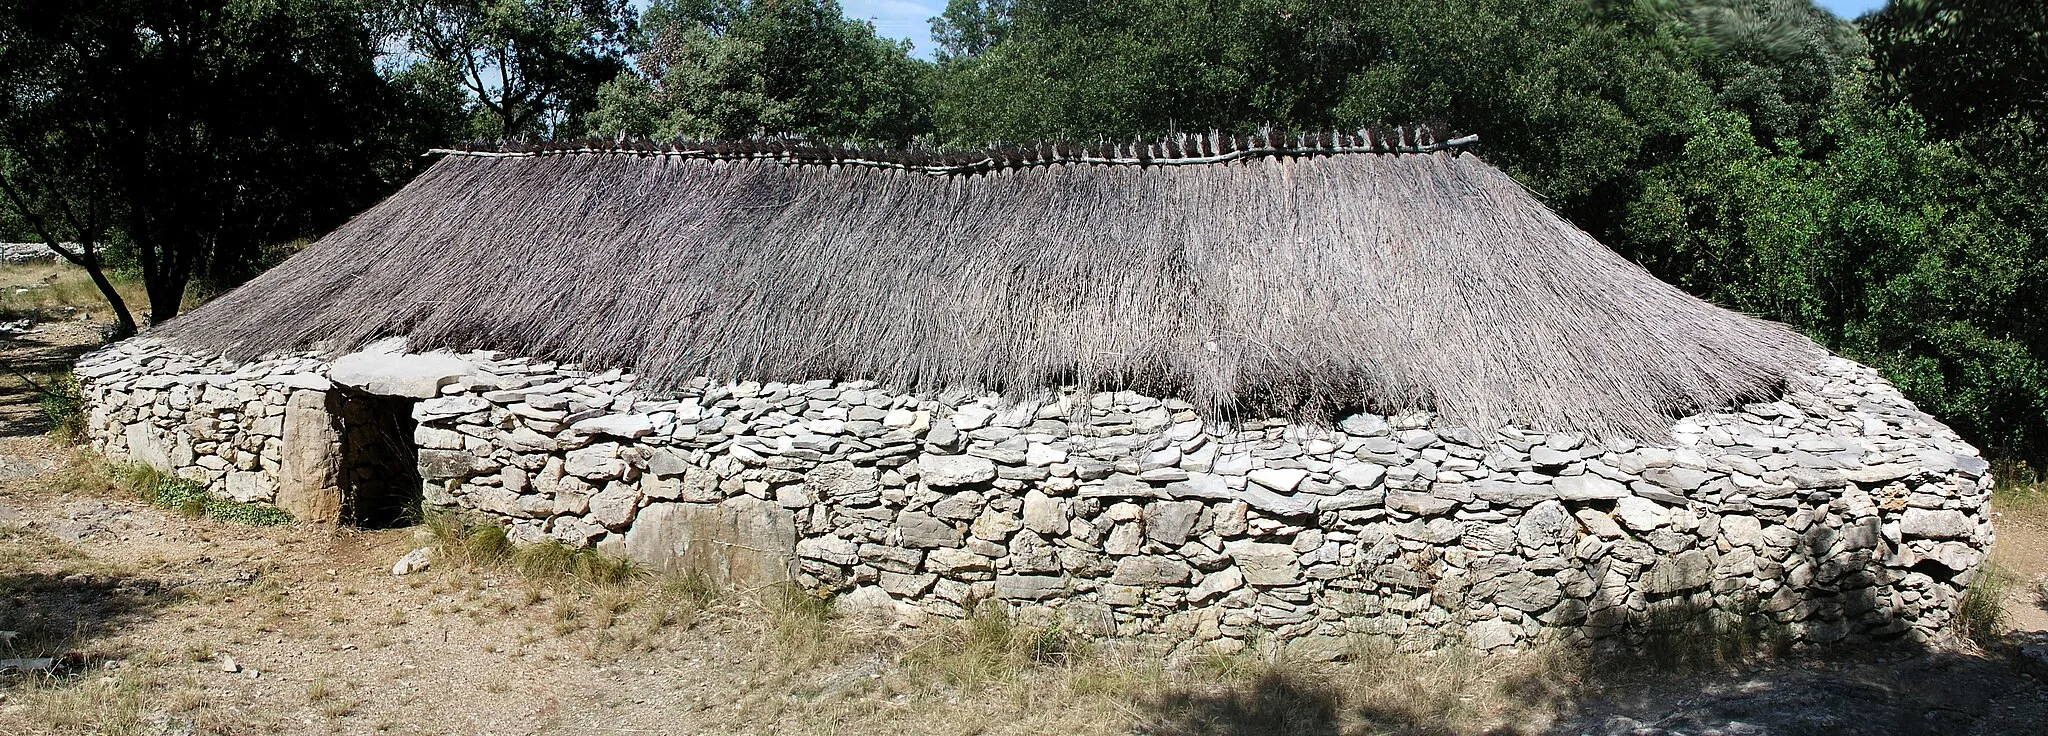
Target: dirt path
[160,623]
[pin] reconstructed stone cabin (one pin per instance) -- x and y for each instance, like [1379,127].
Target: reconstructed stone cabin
[1215,389]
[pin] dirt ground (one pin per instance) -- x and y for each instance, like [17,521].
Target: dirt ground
[157,623]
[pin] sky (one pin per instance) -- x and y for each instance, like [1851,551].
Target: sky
[1851,8]
[911,18]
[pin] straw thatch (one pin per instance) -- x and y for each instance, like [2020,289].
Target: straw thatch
[1306,284]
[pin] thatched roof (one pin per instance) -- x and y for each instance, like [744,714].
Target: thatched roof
[1298,283]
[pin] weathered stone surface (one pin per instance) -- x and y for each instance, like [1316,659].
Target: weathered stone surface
[844,481]
[617,425]
[923,530]
[1743,531]
[1936,524]
[613,507]
[1360,475]
[307,483]
[1588,487]
[1029,587]
[1678,478]
[1170,522]
[417,376]
[1492,633]
[1546,523]
[1274,503]
[1278,480]
[955,562]
[1418,503]
[835,550]
[1641,514]
[1044,514]
[741,541]
[446,464]
[946,471]
[1150,570]
[1319,649]
[1599,524]
[1216,583]
[1264,564]
[906,585]
[1686,571]
[1200,486]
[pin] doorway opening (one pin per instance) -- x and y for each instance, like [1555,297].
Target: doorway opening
[379,474]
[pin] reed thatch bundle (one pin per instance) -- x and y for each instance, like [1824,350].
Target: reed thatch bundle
[1308,285]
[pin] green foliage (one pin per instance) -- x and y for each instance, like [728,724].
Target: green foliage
[63,408]
[1981,615]
[514,68]
[184,136]
[1966,65]
[738,68]
[1878,186]
[191,499]
[1733,147]
[464,540]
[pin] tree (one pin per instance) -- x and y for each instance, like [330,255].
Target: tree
[738,68]
[1967,65]
[969,27]
[185,136]
[527,68]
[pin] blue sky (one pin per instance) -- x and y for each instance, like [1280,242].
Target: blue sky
[898,19]
[910,18]
[1851,8]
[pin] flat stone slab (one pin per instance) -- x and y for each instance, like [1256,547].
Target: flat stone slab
[411,375]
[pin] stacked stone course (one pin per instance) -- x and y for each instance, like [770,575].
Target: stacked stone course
[1838,513]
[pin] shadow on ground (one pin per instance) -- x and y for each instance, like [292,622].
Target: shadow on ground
[57,617]
[1891,691]
[31,357]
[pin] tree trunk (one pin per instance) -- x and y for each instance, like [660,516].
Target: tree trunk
[124,320]
[166,295]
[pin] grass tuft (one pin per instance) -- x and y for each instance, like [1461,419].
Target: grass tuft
[467,541]
[1981,616]
[63,408]
[191,499]
[989,647]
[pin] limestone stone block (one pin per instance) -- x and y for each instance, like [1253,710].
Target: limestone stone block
[307,485]
[945,471]
[741,541]
[922,530]
[1588,487]
[418,376]
[1264,563]
[1150,570]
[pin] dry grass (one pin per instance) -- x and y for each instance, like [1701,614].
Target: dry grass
[54,291]
[475,543]
[1299,286]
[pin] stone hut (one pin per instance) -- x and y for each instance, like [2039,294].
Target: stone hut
[1210,389]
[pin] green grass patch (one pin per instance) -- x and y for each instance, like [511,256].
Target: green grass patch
[191,499]
[63,408]
[1981,616]
[471,542]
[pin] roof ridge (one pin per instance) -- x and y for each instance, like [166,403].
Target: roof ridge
[1173,150]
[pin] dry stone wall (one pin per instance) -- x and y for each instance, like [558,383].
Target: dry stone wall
[244,431]
[1839,513]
